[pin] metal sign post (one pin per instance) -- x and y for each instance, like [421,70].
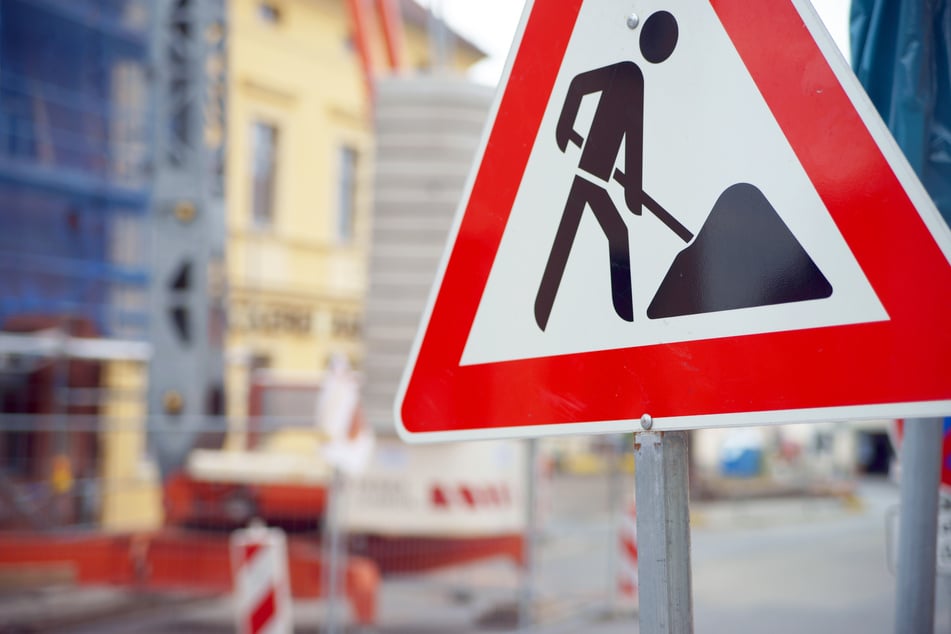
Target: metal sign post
[332,554]
[663,532]
[526,616]
[918,525]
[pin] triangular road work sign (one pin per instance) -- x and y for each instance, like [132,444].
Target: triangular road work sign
[690,213]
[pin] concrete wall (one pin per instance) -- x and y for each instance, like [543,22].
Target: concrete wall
[427,132]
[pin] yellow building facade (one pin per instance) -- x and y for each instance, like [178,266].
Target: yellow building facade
[299,180]
[298,200]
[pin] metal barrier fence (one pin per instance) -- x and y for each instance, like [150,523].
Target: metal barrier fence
[91,539]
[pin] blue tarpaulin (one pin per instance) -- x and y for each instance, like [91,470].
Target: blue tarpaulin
[901,52]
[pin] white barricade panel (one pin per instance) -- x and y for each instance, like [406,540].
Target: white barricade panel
[460,490]
[262,589]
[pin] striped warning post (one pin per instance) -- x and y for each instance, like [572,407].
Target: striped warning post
[262,594]
[627,541]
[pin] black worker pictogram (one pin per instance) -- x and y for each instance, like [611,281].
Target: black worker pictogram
[743,256]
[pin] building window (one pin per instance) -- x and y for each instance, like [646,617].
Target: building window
[259,361]
[269,13]
[264,139]
[347,193]
[346,326]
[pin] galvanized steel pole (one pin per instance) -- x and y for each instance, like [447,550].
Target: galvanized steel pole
[332,554]
[918,525]
[526,616]
[663,532]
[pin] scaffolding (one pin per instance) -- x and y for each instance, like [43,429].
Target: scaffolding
[111,232]
[75,258]
[74,158]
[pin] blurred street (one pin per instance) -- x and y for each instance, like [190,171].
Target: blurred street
[799,564]
[305,323]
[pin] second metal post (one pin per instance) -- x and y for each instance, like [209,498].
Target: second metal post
[918,529]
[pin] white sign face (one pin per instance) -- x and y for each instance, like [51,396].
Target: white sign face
[706,128]
[349,440]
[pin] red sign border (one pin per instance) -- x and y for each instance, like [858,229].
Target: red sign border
[904,360]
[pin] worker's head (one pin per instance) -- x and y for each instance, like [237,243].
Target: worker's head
[658,36]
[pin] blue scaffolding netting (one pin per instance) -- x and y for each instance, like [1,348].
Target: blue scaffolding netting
[75,129]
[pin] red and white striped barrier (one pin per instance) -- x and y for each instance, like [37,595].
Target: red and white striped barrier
[262,594]
[627,541]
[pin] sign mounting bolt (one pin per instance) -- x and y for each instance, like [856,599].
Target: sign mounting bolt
[185,211]
[633,21]
[647,422]
[173,402]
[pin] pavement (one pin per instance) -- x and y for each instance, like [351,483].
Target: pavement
[62,607]
[752,559]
